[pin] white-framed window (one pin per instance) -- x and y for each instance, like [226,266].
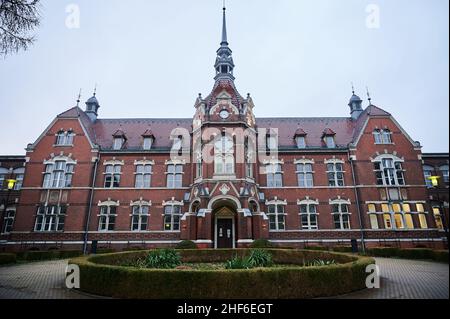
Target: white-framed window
[65,138]
[118,143]
[147,143]
[58,174]
[305,175]
[422,216]
[143,175]
[277,217]
[308,216]
[274,174]
[428,171]
[8,220]
[438,218]
[330,142]
[107,218]
[174,175]
[3,174]
[372,211]
[172,214]
[112,175]
[406,208]
[50,218]
[249,158]
[335,173]
[139,218]
[301,142]
[444,172]
[382,136]
[224,156]
[19,175]
[341,216]
[387,217]
[389,171]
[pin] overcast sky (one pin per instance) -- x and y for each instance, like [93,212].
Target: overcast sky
[297,58]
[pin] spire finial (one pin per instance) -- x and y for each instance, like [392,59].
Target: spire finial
[79,98]
[368,95]
[95,89]
[224,26]
[353,89]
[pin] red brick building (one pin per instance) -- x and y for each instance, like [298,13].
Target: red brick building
[224,178]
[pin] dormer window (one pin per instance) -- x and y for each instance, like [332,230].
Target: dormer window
[118,143]
[300,138]
[148,142]
[382,136]
[330,142]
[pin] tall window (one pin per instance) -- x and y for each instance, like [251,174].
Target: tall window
[64,138]
[3,173]
[398,217]
[408,217]
[386,216]
[248,158]
[373,216]
[330,142]
[444,172]
[50,218]
[118,143]
[224,156]
[341,216]
[8,221]
[308,216]
[274,175]
[58,174]
[172,217]
[335,173]
[438,218]
[143,175]
[112,175]
[382,136]
[147,143]
[277,217]
[422,216]
[174,176]
[305,175]
[389,172]
[428,171]
[301,142]
[19,172]
[107,218]
[272,142]
[139,219]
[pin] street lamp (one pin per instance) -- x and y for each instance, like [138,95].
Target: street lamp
[10,184]
[435,183]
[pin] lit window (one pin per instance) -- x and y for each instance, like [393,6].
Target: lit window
[438,218]
[50,218]
[139,220]
[386,216]
[174,176]
[341,216]
[112,176]
[408,217]
[398,217]
[107,218]
[335,173]
[143,176]
[305,175]
[277,217]
[423,221]
[308,216]
[428,171]
[389,172]
[58,174]
[274,175]
[172,217]
[8,221]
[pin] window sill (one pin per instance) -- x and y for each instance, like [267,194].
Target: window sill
[68,145]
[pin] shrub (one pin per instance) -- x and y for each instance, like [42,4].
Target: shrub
[6,259]
[163,259]
[412,253]
[105,251]
[260,258]
[440,255]
[319,263]
[342,249]
[237,263]
[186,244]
[261,243]
[34,255]
[321,248]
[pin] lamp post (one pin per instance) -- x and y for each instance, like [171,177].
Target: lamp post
[435,183]
[10,184]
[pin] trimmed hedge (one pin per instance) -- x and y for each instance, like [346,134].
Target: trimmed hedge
[186,244]
[6,259]
[341,249]
[47,255]
[412,253]
[100,275]
[261,243]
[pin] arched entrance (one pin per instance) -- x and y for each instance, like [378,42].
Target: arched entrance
[224,210]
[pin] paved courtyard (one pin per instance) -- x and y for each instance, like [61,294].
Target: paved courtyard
[400,279]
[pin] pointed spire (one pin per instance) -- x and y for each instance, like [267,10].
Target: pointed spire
[368,95]
[95,89]
[224,27]
[79,99]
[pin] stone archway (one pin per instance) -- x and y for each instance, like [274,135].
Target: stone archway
[224,211]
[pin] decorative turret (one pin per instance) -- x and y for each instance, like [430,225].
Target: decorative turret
[92,107]
[355,105]
[224,62]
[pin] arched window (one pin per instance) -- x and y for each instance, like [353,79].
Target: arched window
[389,171]
[341,215]
[444,172]
[139,216]
[224,156]
[308,214]
[172,213]
[58,172]
[277,216]
[107,216]
[19,174]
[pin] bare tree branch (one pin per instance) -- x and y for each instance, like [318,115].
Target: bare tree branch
[18,18]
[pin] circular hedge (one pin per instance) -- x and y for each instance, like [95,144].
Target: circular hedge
[102,275]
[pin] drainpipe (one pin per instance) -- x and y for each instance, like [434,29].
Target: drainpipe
[91,198]
[358,207]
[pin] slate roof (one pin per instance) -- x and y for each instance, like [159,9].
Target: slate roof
[345,129]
